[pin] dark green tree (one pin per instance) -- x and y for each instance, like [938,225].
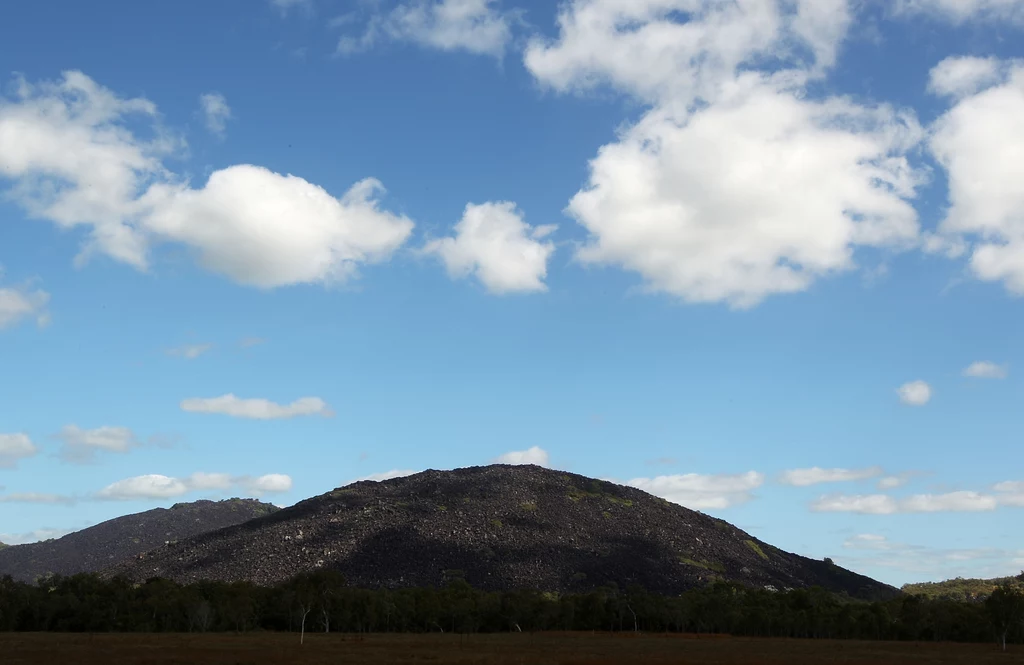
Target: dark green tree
[1006,610]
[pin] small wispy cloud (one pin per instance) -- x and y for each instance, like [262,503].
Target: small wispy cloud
[535,455]
[20,303]
[480,27]
[81,445]
[189,351]
[1010,493]
[37,497]
[257,408]
[915,393]
[986,370]
[215,112]
[893,481]
[387,475]
[701,492]
[882,504]
[817,475]
[285,6]
[14,448]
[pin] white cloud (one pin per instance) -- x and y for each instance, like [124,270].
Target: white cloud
[267,230]
[258,409]
[273,483]
[36,497]
[19,303]
[73,160]
[736,184]
[15,447]
[493,243]
[959,11]
[951,247]
[875,504]
[816,475]
[209,481]
[151,486]
[1010,493]
[822,25]
[915,393]
[986,370]
[646,49]
[963,75]
[951,502]
[189,351]
[881,504]
[156,486]
[535,455]
[387,475]
[761,193]
[978,142]
[702,492]
[475,26]
[80,445]
[682,50]
[216,112]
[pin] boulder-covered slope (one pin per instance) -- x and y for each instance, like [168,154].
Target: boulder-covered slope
[107,543]
[498,527]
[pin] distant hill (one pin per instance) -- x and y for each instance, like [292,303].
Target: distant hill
[498,527]
[107,543]
[960,589]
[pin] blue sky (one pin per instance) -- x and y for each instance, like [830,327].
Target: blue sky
[762,258]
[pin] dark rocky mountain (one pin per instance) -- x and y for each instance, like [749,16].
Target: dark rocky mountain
[498,527]
[107,543]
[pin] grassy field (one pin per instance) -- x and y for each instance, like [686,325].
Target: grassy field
[540,649]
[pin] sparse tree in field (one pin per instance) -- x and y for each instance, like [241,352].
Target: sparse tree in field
[200,615]
[1006,610]
[328,583]
[305,597]
[315,591]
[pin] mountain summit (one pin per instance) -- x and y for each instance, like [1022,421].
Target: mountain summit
[107,543]
[497,527]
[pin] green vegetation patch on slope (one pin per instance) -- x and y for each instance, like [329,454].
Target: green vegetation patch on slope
[757,549]
[960,588]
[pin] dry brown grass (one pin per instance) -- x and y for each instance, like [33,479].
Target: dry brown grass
[524,649]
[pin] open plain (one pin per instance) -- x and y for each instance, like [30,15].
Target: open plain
[517,649]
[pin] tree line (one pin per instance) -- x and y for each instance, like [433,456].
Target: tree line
[322,602]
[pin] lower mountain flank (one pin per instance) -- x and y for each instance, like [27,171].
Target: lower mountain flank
[497,527]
